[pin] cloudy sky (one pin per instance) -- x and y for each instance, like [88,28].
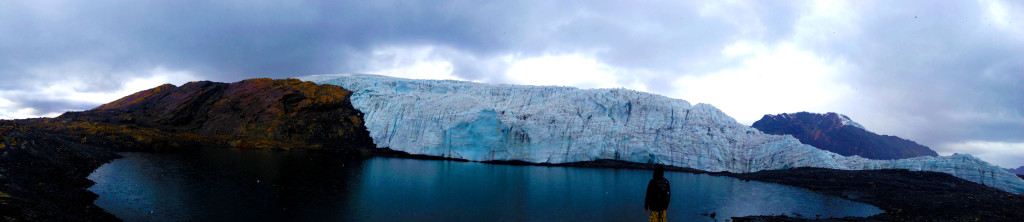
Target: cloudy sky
[947,74]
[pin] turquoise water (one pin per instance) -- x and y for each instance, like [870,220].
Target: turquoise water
[225,184]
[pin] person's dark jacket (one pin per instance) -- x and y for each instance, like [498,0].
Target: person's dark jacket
[651,201]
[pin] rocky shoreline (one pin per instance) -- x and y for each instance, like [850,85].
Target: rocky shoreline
[903,195]
[43,176]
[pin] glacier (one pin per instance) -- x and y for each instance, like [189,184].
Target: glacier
[554,124]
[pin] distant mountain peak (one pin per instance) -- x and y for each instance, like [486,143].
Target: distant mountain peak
[1018,171]
[849,122]
[840,134]
[827,120]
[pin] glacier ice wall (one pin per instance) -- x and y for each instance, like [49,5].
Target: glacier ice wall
[549,124]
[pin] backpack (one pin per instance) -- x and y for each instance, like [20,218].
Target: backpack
[662,191]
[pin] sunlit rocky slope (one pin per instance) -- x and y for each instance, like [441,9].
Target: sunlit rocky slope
[547,124]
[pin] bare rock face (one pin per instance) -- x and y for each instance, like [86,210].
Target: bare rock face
[546,124]
[839,134]
[254,113]
[43,176]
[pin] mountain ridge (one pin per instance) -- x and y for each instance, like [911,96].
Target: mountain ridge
[839,134]
[1018,171]
[253,113]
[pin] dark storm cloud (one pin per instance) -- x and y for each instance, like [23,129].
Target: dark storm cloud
[105,43]
[227,41]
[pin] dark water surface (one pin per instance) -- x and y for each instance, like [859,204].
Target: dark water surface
[233,185]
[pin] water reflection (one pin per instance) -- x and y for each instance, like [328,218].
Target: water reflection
[447,190]
[223,184]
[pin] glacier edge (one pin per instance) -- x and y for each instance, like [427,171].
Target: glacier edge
[552,124]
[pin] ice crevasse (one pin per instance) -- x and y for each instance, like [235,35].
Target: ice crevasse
[551,124]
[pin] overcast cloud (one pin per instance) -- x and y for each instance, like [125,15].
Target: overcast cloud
[947,74]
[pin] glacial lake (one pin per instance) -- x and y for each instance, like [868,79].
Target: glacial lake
[217,184]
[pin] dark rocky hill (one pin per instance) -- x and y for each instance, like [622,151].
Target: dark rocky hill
[254,113]
[837,133]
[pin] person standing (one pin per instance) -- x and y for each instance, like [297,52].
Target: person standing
[658,195]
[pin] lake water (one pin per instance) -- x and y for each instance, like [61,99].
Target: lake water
[226,184]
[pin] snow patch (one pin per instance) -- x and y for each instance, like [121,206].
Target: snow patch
[848,122]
